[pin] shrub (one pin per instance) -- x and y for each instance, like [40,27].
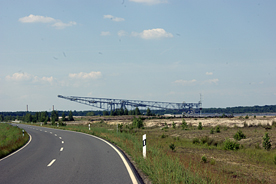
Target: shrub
[137,123]
[246,117]
[274,159]
[212,131]
[173,125]
[245,124]
[184,124]
[172,146]
[199,126]
[266,142]
[254,116]
[196,141]
[164,136]
[239,135]
[212,162]
[203,159]
[217,129]
[230,145]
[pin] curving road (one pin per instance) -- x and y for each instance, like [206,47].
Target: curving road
[58,156]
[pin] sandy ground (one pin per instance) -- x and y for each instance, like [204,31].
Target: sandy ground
[229,122]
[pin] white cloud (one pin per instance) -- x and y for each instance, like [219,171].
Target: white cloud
[82,75]
[58,24]
[122,33]
[184,82]
[28,77]
[61,25]
[209,73]
[153,34]
[47,79]
[105,33]
[150,2]
[116,19]
[19,77]
[211,81]
[36,18]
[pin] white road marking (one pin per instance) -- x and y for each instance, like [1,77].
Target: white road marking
[50,132]
[62,142]
[61,149]
[55,134]
[51,162]
[60,138]
[45,131]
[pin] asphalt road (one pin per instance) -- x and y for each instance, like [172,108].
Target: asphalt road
[57,156]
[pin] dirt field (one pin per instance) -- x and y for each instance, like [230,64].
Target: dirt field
[228,122]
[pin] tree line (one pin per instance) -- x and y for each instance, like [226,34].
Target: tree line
[41,116]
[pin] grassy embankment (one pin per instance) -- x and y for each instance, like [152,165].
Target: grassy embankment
[185,163]
[11,139]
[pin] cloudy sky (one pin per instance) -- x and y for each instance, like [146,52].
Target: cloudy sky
[159,50]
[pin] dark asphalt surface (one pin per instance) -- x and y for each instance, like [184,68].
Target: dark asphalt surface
[79,159]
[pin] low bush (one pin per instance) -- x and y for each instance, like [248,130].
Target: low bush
[212,131]
[203,159]
[230,145]
[239,135]
[196,140]
[217,129]
[199,126]
[172,146]
[266,142]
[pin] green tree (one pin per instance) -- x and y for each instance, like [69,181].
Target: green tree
[126,111]
[217,129]
[122,112]
[239,135]
[173,125]
[54,116]
[28,118]
[266,142]
[105,113]
[70,116]
[183,124]
[90,113]
[1,117]
[199,126]
[137,122]
[63,117]
[137,111]
[148,112]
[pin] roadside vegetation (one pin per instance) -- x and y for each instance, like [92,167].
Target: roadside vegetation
[11,139]
[182,153]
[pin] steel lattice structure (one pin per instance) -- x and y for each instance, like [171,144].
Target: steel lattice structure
[112,104]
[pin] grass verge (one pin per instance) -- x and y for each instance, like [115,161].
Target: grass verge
[11,139]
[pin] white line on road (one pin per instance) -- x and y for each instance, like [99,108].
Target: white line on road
[55,134]
[61,149]
[45,131]
[51,162]
[62,142]
[50,132]
[59,137]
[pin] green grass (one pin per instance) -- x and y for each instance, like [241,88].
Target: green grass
[11,139]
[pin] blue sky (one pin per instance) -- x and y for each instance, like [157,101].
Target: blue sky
[159,50]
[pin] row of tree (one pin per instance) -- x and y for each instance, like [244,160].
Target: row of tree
[39,117]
